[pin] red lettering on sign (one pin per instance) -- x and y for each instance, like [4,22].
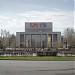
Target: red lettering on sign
[33,25]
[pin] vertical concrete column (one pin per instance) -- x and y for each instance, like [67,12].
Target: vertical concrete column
[47,39]
[30,40]
[41,40]
[24,40]
[18,39]
[52,39]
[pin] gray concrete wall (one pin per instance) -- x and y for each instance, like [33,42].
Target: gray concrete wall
[38,38]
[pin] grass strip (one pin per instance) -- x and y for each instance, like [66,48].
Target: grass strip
[38,58]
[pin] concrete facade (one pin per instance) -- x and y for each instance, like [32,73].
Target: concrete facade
[37,34]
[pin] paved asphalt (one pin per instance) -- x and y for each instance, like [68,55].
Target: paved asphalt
[13,67]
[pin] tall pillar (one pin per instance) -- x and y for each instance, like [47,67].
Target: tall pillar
[41,40]
[30,40]
[52,39]
[47,40]
[24,40]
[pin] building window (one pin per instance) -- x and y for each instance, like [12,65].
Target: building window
[33,40]
[38,40]
[54,37]
[49,40]
[27,40]
[44,40]
[21,40]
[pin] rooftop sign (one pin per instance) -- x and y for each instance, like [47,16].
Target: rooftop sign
[35,25]
[38,26]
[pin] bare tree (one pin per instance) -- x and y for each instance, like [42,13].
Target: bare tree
[13,41]
[7,39]
[69,36]
[58,44]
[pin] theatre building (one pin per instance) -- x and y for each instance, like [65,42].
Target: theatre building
[37,35]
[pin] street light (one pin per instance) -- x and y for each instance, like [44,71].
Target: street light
[65,42]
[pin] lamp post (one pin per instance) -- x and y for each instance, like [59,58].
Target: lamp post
[65,42]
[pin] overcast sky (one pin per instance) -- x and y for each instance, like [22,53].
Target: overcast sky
[14,13]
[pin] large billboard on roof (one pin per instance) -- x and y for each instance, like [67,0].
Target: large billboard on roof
[38,26]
